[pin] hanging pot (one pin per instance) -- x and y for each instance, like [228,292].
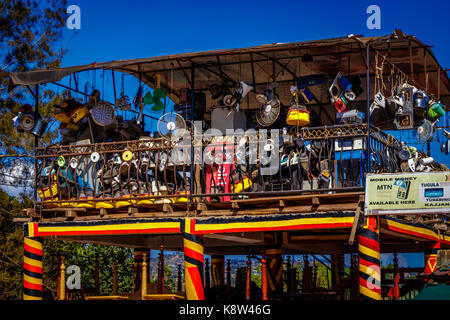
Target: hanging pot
[419,100]
[298,116]
[436,111]
[404,154]
[40,127]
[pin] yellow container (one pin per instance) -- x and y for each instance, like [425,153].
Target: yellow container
[48,192]
[298,117]
[61,117]
[105,204]
[85,204]
[72,126]
[241,185]
[182,199]
[67,204]
[79,114]
[149,201]
[124,202]
[49,203]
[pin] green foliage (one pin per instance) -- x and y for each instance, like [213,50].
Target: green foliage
[170,280]
[85,256]
[28,33]
[11,247]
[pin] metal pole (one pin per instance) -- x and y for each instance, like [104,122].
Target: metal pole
[192,169]
[369,169]
[36,114]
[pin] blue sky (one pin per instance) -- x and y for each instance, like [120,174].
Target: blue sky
[118,30]
[112,30]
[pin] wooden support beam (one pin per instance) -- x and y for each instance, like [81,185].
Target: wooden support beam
[245,237]
[70,214]
[132,211]
[103,213]
[201,207]
[358,211]
[31,213]
[21,220]
[167,208]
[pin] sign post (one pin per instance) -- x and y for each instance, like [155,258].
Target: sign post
[407,193]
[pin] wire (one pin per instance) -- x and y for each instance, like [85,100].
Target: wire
[16,177]
[16,185]
[16,156]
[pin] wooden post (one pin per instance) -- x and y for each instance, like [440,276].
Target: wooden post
[207,275]
[138,259]
[263,276]
[161,271]
[136,275]
[248,279]
[32,267]
[306,287]
[275,270]
[228,276]
[354,276]
[96,276]
[179,280]
[115,278]
[217,270]
[341,267]
[294,283]
[144,276]
[314,274]
[289,276]
[62,280]
[369,260]
[396,278]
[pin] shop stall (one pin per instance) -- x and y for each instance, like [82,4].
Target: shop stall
[267,147]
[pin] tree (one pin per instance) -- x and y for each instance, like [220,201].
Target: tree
[29,39]
[11,246]
[30,34]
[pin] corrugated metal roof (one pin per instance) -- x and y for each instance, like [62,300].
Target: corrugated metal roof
[259,65]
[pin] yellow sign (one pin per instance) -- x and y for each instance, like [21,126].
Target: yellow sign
[405,193]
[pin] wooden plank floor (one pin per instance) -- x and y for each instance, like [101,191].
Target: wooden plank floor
[288,204]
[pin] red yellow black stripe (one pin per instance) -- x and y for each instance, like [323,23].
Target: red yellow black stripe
[126,226]
[193,262]
[415,230]
[316,221]
[369,260]
[430,256]
[329,220]
[32,265]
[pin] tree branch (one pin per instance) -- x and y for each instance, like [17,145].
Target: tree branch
[32,46]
